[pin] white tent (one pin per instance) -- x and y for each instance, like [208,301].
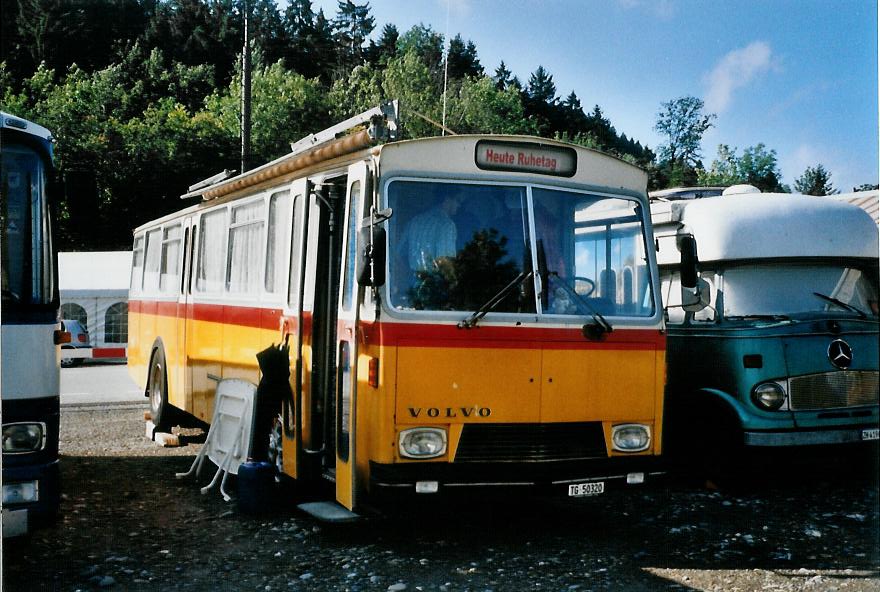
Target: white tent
[94,289]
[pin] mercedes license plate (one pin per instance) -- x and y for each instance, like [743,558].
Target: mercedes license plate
[585,489]
[871,434]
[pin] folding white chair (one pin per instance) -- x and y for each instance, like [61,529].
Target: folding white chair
[229,437]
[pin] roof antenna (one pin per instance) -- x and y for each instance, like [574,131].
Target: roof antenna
[446,68]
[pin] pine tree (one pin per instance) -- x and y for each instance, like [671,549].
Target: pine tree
[815,181]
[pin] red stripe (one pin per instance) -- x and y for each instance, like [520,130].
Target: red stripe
[424,334]
[509,337]
[242,316]
[108,352]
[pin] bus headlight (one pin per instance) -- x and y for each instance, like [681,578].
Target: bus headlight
[630,437]
[23,437]
[422,442]
[769,396]
[21,493]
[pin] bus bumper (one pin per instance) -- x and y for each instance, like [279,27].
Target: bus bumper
[42,482]
[865,433]
[557,479]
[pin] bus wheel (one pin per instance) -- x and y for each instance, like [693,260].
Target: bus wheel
[157,389]
[274,453]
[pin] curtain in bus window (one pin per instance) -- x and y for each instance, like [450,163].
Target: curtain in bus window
[456,245]
[152,261]
[245,248]
[170,268]
[592,251]
[212,252]
[278,241]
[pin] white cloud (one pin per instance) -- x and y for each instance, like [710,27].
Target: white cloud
[734,71]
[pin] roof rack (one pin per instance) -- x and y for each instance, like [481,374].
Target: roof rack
[330,143]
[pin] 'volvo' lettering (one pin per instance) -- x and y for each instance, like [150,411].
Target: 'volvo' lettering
[451,412]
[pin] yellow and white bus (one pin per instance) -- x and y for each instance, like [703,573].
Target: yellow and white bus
[462,312]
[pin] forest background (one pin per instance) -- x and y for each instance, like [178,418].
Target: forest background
[143,99]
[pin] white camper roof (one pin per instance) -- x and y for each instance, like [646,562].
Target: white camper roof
[766,225]
[867,200]
[103,273]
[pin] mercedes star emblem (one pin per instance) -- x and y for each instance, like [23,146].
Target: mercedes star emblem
[840,354]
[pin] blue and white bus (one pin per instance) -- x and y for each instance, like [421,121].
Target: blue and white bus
[31,334]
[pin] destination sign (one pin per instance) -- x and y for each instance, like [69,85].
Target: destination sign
[526,158]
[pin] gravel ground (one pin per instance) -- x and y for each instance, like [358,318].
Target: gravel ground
[127,524]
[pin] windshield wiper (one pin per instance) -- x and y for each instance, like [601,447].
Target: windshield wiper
[600,325]
[760,317]
[841,304]
[472,320]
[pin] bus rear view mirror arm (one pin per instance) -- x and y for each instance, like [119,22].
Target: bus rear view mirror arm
[372,253]
[697,298]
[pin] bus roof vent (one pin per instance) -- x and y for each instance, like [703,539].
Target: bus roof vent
[742,189]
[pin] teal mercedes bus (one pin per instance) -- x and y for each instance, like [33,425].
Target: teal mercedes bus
[772,312]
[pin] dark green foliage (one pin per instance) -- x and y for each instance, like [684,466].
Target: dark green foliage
[815,181]
[143,95]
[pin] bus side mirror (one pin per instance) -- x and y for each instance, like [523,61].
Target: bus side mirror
[687,246]
[694,289]
[371,256]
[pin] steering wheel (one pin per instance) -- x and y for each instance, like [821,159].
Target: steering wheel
[591,285]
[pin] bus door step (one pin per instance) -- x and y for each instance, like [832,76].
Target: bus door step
[329,512]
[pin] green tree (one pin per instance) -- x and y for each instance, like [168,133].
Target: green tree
[683,123]
[409,79]
[352,25]
[815,181]
[285,106]
[463,60]
[867,187]
[757,166]
[384,49]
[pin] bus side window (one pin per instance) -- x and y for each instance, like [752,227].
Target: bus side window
[246,242]
[137,265]
[212,251]
[170,267]
[278,234]
[351,248]
[295,256]
[152,261]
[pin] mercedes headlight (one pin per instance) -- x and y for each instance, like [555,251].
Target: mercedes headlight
[769,396]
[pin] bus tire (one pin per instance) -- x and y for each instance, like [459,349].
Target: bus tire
[161,411]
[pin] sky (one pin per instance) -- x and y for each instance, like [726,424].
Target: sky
[799,76]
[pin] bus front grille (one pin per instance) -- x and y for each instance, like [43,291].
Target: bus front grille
[517,442]
[834,390]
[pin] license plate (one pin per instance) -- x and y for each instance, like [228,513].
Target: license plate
[871,434]
[585,489]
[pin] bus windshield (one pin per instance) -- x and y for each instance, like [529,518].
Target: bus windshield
[26,245]
[765,289]
[458,245]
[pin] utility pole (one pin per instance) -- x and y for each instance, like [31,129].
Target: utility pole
[246,93]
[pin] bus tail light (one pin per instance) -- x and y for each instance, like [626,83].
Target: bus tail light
[630,437]
[373,377]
